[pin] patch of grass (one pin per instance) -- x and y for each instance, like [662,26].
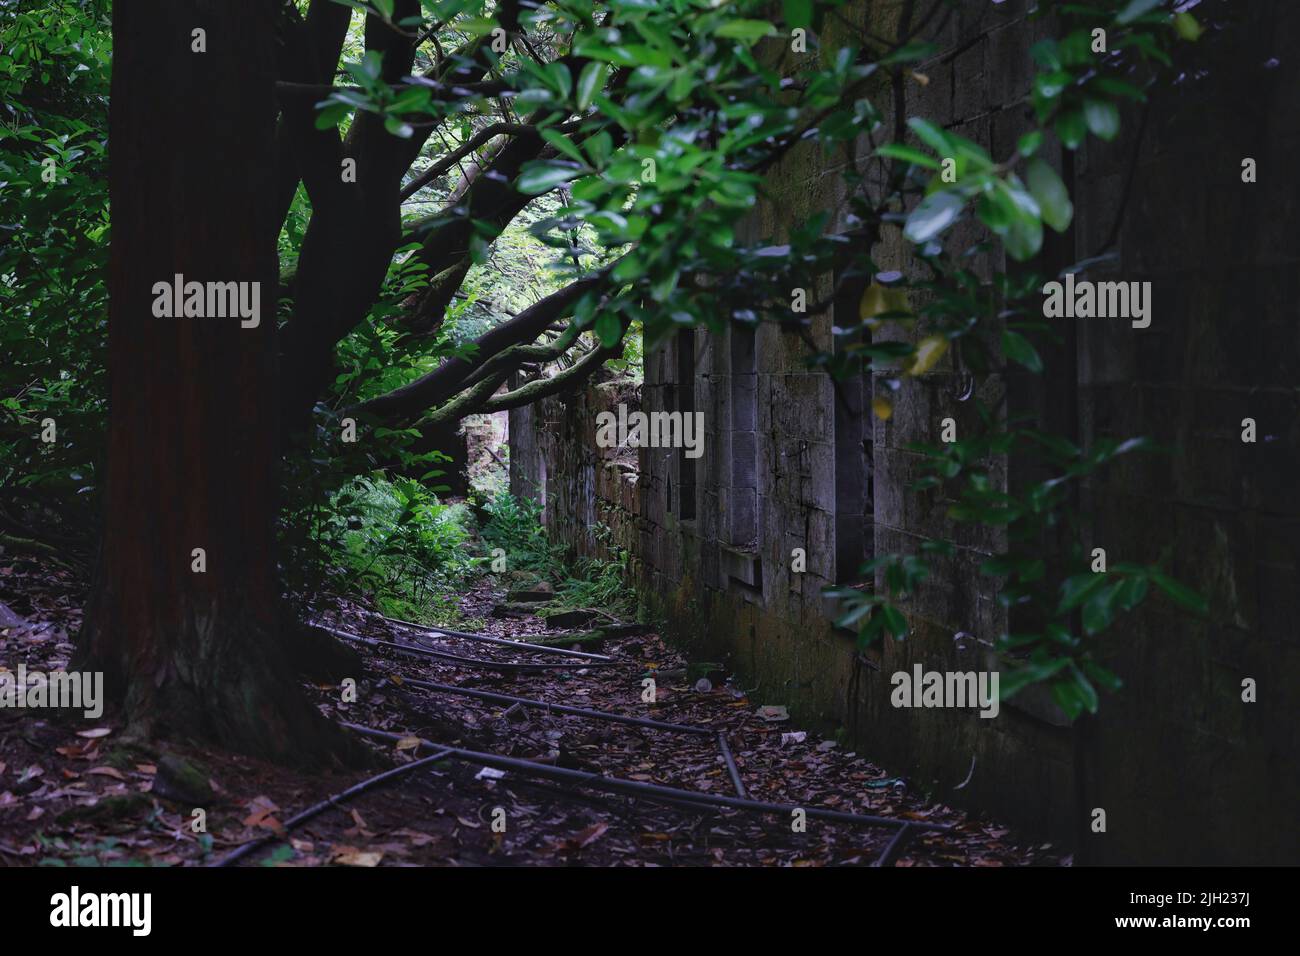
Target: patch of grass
[598,584]
[438,609]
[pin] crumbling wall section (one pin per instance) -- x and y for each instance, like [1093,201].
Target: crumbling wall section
[1176,751]
[589,493]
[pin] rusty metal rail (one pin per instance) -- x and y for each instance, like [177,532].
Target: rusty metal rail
[723,746]
[732,769]
[474,662]
[557,708]
[317,809]
[499,641]
[649,791]
[895,846]
[903,830]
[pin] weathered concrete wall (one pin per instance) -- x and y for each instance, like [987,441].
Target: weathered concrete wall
[589,494]
[1185,771]
[1198,774]
[773,623]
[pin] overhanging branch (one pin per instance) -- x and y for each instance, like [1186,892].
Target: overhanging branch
[445,164]
[542,387]
[450,377]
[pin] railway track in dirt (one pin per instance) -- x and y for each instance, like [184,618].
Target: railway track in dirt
[525,699]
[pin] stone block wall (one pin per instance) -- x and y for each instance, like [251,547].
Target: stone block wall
[1186,772]
[589,494]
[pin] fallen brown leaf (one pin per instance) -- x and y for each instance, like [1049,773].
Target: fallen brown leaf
[590,835]
[415,837]
[351,856]
[107,772]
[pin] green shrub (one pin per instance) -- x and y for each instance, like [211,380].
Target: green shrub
[392,540]
[515,526]
[600,584]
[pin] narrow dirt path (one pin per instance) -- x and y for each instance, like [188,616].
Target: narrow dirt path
[70,794]
[549,822]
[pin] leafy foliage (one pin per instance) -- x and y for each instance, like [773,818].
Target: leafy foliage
[515,526]
[600,584]
[655,125]
[54,59]
[394,540]
[1063,606]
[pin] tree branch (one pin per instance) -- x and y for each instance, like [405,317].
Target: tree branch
[444,164]
[449,377]
[479,399]
[465,404]
[509,360]
[311,55]
[542,387]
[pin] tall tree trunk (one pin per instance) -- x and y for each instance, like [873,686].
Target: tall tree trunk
[193,419]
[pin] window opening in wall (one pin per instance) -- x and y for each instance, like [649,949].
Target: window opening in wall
[685,403]
[742,513]
[854,463]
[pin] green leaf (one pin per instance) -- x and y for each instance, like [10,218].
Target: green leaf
[1045,54]
[1028,144]
[1019,349]
[908,154]
[543,176]
[1087,693]
[563,144]
[1068,698]
[629,269]
[1102,117]
[1187,27]
[997,211]
[910,53]
[1011,682]
[1107,679]
[1116,87]
[1133,592]
[747,30]
[1077,589]
[935,213]
[1071,127]
[1099,611]
[1049,86]
[1180,593]
[371,65]
[1135,9]
[609,328]
[1084,690]
[853,615]
[894,620]
[1024,238]
[330,116]
[398,128]
[599,147]
[411,99]
[932,136]
[281,854]
[871,630]
[559,78]
[1050,193]
[797,13]
[590,80]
